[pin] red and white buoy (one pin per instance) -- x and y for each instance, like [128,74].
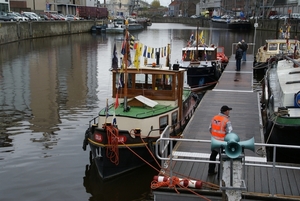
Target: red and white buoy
[183,182]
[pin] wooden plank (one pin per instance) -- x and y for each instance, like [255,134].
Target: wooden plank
[278,182]
[293,184]
[285,182]
[264,178]
[257,180]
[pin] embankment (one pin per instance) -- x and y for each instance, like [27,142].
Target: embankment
[15,31]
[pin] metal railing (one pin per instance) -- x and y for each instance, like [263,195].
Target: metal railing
[251,47]
[165,153]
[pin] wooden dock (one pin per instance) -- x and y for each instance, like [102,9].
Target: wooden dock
[234,89]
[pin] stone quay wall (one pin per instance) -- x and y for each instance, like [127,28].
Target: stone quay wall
[15,31]
[263,24]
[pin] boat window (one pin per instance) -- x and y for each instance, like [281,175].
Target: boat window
[273,46]
[129,80]
[282,46]
[143,81]
[163,82]
[163,122]
[174,117]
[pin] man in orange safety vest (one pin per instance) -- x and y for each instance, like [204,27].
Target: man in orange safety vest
[220,126]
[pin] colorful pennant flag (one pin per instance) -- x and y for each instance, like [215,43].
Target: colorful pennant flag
[115,58]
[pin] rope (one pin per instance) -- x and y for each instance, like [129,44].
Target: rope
[174,182]
[112,151]
[277,114]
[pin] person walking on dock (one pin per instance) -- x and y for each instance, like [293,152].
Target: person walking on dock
[219,127]
[244,48]
[238,56]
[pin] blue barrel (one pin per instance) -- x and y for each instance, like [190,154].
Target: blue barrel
[297,99]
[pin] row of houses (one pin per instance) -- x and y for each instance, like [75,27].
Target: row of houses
[188,8]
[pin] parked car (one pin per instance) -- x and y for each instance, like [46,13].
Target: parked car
[195,16]
[32,16]
[283,17]
[5,17]
[62,16]
[17,16]
[72,17]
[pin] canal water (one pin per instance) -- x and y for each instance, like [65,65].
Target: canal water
[50,88]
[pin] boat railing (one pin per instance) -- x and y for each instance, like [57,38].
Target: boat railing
[152,111]
[93,121]
[251,47]
[167,155]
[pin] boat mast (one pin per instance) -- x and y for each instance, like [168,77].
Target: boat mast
[197,38]
[126,65]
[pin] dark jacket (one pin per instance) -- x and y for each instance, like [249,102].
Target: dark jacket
[244,46]
[239,53]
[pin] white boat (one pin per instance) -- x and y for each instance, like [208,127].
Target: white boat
[281,100]
[115,27]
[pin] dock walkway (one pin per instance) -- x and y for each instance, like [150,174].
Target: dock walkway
[234,89]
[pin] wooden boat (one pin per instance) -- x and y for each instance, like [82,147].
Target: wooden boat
[281,98]
[123,136]
[267,53]
[205,70]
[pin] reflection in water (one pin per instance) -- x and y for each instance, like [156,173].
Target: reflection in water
[44,78]
[49,89]
[137,182]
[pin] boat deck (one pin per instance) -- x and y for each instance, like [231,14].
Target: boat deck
[234,89]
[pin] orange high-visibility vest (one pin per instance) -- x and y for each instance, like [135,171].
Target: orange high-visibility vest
[218,127]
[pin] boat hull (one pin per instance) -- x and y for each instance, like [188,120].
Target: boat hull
[232,25]
[129,159]
[115,154]
[287,135]
[281,108]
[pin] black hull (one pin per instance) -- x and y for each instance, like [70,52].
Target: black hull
[128,160]
[197,77]
[118,188]
[232,25]
[286,135]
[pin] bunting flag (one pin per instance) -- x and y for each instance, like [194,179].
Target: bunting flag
[131,41]
[115,58]
[138,53]
[201,39]
[152,53]
[123,50]
[149,52]
[145,51]
[117,101]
